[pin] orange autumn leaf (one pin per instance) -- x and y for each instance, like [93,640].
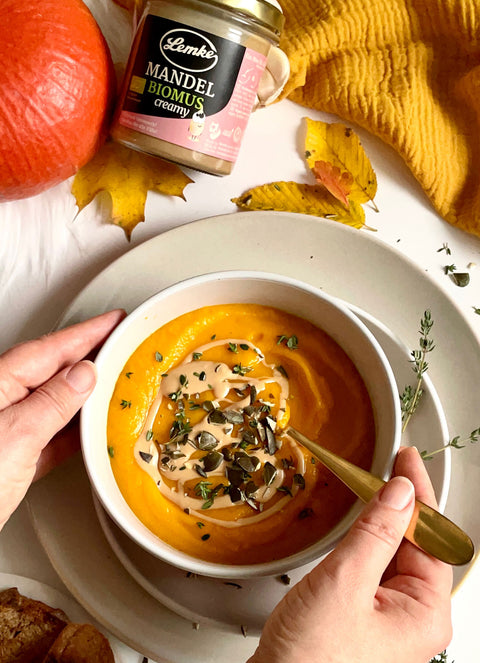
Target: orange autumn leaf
[338,182]
[127,176]
[346,170]
[301,198]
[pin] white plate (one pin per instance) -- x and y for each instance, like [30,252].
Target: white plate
[225,605]
[350,264]
[55,599]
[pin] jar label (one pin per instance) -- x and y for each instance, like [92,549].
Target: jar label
[191,88]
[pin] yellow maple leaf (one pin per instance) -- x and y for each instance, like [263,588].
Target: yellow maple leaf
[301,198]
[127,176]
[336,157]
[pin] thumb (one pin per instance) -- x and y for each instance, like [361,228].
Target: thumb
[51,406]
[374,538]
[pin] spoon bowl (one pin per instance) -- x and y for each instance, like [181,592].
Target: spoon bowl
[429,530]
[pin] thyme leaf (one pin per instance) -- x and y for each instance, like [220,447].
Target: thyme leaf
[290,341]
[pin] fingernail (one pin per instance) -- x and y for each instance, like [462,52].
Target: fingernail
[82,376]
[397,493]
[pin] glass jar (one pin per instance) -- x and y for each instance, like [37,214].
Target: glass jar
[192,77]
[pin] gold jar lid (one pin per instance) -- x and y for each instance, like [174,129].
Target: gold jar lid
[266,12]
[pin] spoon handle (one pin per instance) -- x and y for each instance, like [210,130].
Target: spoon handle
[429,530]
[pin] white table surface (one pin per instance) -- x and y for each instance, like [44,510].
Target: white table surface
[48,254]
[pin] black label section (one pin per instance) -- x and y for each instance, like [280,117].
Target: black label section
[181,71]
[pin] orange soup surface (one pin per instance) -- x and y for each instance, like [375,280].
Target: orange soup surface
[196,432]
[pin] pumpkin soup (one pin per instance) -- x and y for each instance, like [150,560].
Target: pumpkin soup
[196,432]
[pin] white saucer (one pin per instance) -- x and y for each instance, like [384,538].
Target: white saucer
[353,265]
[39,591]
[226,605]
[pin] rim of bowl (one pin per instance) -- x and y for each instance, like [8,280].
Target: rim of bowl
[142,534]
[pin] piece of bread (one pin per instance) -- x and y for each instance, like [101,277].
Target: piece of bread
[28,628]
[80,643]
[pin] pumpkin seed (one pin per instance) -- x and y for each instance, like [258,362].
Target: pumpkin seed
[269,473]
[206,441]
[251,488]
[212,460]
[235,475]
[233,416]
[271,441]
[248,463]
[236,494]
[217,417]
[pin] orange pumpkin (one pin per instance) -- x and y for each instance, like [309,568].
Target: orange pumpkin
[56,93]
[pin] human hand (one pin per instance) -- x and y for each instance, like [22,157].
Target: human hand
[376,597]
[43,383]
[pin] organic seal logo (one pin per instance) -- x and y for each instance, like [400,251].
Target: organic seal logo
[188,50]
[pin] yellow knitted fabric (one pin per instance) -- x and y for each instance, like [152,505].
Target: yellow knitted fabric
[406,70]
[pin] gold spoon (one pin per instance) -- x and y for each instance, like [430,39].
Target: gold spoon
[429,530]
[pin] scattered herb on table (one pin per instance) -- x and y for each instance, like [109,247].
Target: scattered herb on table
[476,309]
[449,269]
[445,248]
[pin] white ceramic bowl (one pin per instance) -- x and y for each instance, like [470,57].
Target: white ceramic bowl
[231,287]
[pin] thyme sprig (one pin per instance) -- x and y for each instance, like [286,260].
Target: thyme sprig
[411,396]
[455,443]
